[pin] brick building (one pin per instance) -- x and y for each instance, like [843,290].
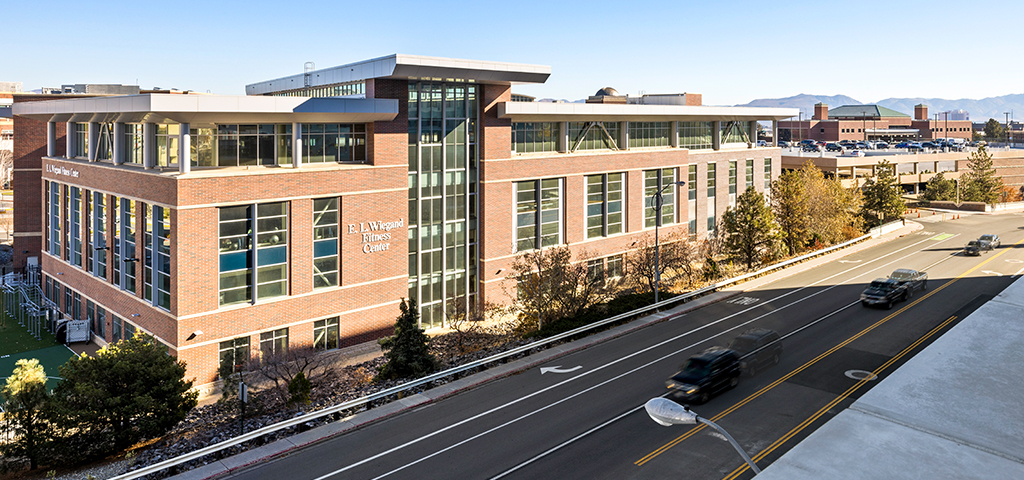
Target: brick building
[303,212]
[873,122]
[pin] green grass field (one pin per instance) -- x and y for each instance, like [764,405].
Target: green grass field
[16,344]
[15,338]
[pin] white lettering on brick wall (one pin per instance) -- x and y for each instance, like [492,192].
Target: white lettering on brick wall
[375,236]
[58,170]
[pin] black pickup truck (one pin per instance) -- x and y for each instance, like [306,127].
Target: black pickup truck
[885,291]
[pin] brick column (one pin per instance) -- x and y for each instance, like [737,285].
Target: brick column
[495,139]
[387,143]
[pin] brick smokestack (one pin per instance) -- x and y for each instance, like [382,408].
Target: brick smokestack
[820,111]
[920,112]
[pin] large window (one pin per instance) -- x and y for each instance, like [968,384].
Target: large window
[55,229]
[691,188]
[535,137]
[593,135]
[325,334]
[162,232]
[732,182]
[695,135]
[246,145]
[147,255]
[735,132]
[538,214]
[750,172]
[604,204]
[649,134]
[81,140]
[712,171]
[241,244]
[332,142]
[767,174]
[75,226]
[325,242]
[129,259]
[115,245]
[167,144]
[655,181]
[274,342]
[133,143]
[105,146]
[234,354]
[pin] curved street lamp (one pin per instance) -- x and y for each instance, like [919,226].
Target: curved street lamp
[658,201]
[668,413]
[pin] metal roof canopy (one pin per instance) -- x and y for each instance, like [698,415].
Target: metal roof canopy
[595,112]
[408,67]
[209,109]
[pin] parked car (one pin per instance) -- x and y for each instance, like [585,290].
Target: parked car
[807,141]
[913,279]
[992,239]
[855,153]
[863,146]
[903,145]
[833,147]
[758,349]
[812,148]
[847,143]
[881,145]
[885,291]
[705,374]
[930,145]
[973,248]
[783,144]
[762,143]
[912,146]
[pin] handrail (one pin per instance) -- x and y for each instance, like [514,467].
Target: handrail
[202,452]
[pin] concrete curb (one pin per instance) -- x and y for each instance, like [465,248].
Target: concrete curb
[329,431]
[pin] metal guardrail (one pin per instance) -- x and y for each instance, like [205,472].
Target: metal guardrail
[202,452]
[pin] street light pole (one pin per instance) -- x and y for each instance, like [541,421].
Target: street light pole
[668,413]
[658,200]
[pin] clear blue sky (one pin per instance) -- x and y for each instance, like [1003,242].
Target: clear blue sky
[729,51]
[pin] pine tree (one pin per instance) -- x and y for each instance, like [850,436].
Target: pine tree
[994,131]
[980,183]
[26,396]
[407,351]
[939,188]
[790,206]
[882,196]
[751,232]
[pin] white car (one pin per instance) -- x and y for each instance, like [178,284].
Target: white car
[855,153]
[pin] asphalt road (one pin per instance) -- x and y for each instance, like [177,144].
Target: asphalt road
[590,423]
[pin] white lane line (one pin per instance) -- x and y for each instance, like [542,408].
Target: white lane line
[609,364]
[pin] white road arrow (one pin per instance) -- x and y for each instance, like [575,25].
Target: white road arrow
[990,272]
[559,369]
[850,261]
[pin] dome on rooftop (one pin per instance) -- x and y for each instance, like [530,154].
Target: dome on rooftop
[607,91]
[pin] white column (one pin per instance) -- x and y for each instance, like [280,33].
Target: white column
[51,139]
[623,139]
[716,135]
[149,145]
[118,143]
[94,140]
[775,133]
[296,145]
[563,137]
[184,150]
[70,138]
[673,134]
[753,133]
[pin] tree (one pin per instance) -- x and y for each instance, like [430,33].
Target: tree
[882,196]
[130,391]
[676,255]
[26,398]
[299,389]
[832,211]
[980,183]
[994,131]
[550,286]
[407,351]
[282,368]
[751,233]
[791,208]
[939,188]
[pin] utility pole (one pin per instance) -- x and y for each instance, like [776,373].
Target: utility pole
[1007,129]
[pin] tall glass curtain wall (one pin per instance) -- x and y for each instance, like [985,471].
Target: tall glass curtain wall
[442,197]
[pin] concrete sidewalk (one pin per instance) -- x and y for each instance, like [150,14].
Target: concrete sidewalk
[325,432]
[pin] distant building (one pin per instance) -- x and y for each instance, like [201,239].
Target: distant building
[93,89]
[518,97]
[10,87]
[872,122]
[958,115]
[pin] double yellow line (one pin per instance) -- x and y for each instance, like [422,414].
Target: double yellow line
[807,365]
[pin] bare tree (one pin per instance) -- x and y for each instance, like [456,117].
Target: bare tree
[676,255]
[467,320]
[6,167]
[550,286]
[280,369]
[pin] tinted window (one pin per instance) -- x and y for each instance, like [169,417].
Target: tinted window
[743,344]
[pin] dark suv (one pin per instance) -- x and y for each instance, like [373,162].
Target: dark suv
[705,374]
[758,349]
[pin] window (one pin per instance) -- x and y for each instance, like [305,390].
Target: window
[115,328]
[252,144]
[147,249]
[234,354]
[105,146]
[129,329]
[735,132]
[274,343]
[538,214]
[133,143]
[116,243]
[325,242]
[55,219]
[90,315]
[66,203]
[81,140]
[648,134]
[691,186]
[604,205]
[325,334]
[535,137]
[593,135]
[76,307]
[241,244]
[162,232]
[101,321]
[750,172]
[732,181]
[331,142]
[613,268]
[128,262]
[167,137]
[767,174]
[595,270]
[695,135]
[655,181]
[712,172]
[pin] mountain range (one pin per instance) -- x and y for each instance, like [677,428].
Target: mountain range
[979,110]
